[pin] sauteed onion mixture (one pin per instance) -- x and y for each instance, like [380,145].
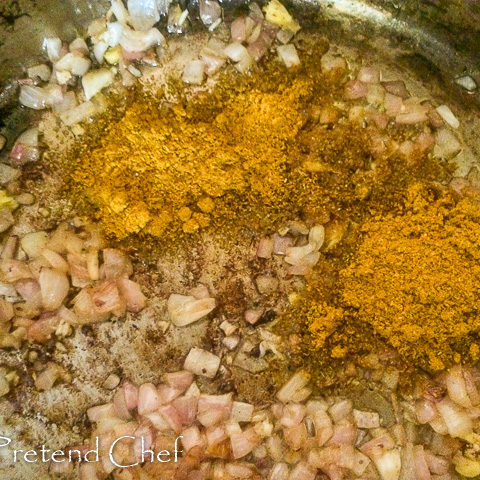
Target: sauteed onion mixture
[296,228]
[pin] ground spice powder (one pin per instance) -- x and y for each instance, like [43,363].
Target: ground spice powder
[157,169]
[413,282]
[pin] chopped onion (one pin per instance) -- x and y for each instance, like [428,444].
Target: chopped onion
[73,63]
[333,63]
[425,411]
[295,387]
[53,46]
[420,463]
[289,56]
[447,144]
[115,264]
[456,387]
[39,98]
[214,409]
[54,286]
[369,75]
[99,50]
[396,87]
[184,310]
[191,437]
[69,102]
[130,291]
[79,45]
[29,289]
[133,41]
[148,399]
[445,112]
[239,54]
[33,243]
[355,89]
[281,244]
[144,14]
[238,29]
[42,72]
[210,11]
[280,471]
[415,113]
[242,412]
[341,409]
[366,419]
[47,378]
[201,362]
[194,72]
[456,419]
[180,380]
[467,82]
[96,80]
[243,442]
[12,270]
[78,114]
[186,408]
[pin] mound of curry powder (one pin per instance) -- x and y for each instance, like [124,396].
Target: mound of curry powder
[414,282]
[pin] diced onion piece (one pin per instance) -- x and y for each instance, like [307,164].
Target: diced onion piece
[389,464]
[33,243]
[293,387]
[39,98]
[369,75]
[238,31]
[242,412]
[148,399]
[144,14]
[456,419]
[133,41]
[445,112]
[54,286]
[467,82]
[79,45]
[68,103]
[53,46]
[457,389]
[95,80]
[214,409]
[99,50]
[333,63]
[130,291]
[396,87]
[355,89]
[280,471]
[425,411]
[420,463]
[210,12]
[239,54]
[47,378]
[42,72]
[447,144]
[184,310]
[244,442]
[289,56]
[201,362]
[78,114]
[73,63]
[194,72]
[366,419]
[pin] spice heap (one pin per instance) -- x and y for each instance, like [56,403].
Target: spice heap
[156,169]
[413,282]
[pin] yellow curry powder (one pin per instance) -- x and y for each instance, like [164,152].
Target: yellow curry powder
[156,169]
[414,282]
